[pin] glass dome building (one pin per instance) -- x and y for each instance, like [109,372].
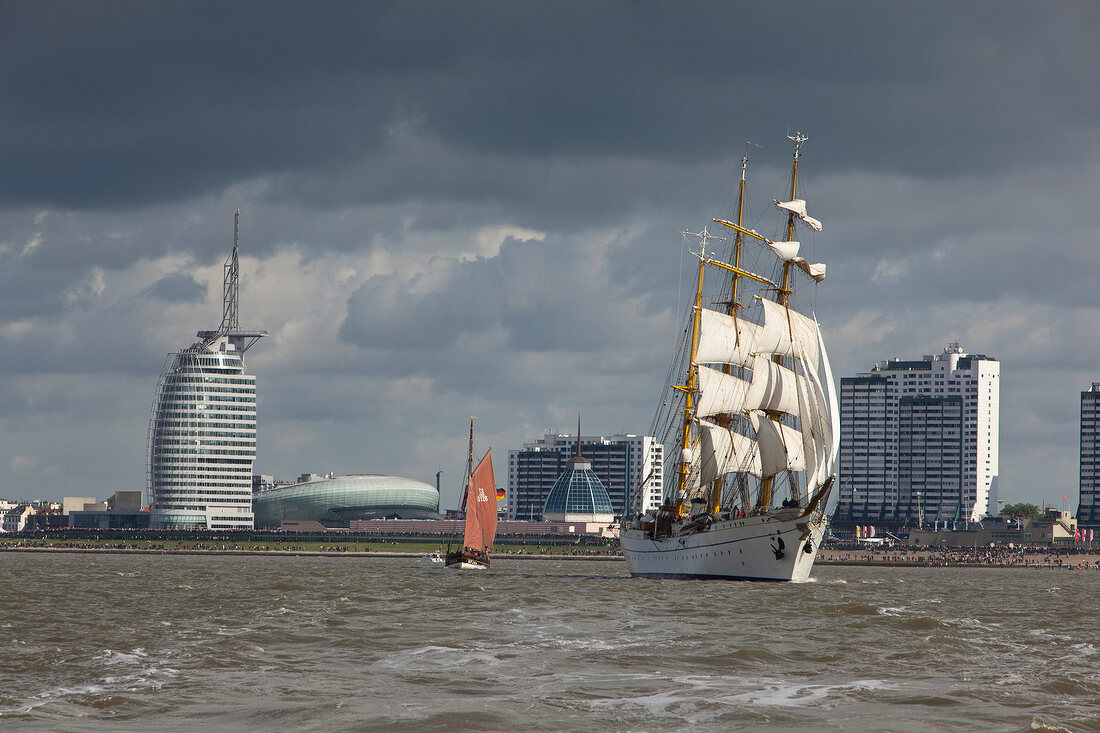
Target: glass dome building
[578,496]
[336,501]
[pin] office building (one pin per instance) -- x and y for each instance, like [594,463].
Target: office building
[1088,508]
[919,440]
[626,465]
[202,432]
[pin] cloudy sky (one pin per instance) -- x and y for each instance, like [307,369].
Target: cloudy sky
[454,209]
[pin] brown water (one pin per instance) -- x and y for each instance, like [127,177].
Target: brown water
[119,642]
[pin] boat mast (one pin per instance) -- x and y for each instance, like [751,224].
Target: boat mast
[691,382]
[783,298]
[785,288]
[732,306]
[469,464]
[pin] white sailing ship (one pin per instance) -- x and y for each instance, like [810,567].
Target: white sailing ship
[752,409]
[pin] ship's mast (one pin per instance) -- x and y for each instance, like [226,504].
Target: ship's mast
[783,297]
[691,383]
[469,465]
[785,287]
[732,306]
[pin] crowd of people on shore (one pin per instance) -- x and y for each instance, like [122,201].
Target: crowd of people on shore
[995,556]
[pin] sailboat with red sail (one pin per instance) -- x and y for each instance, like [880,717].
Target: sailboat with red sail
[480,506]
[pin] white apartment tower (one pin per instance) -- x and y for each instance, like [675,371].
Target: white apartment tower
[631,467]
[919,440]
[1088,509]
[202,431]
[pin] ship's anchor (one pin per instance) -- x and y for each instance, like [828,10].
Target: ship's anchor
[808,548]
[778,550]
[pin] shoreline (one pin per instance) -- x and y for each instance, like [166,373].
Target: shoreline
[959,558]
[850,558]
[289,553]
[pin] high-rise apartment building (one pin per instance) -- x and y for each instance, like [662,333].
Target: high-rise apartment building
[919,439]
[202,431]
[627,465]
[1088,508]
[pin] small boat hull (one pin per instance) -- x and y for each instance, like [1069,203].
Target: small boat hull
[769,547]
[466,560]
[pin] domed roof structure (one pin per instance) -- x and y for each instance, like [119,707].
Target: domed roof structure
[337,500]
[578,494]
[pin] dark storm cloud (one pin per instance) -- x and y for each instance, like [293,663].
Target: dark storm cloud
[120,103]
[953,150]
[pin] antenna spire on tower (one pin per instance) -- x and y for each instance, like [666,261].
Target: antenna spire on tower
[231,282]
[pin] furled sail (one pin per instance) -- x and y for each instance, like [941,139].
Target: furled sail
[724,451]
[815,270]
[785,250]
[798,206]
[724,339]
[481,506]
[788,252]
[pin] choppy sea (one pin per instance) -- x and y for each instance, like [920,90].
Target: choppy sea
[94,642]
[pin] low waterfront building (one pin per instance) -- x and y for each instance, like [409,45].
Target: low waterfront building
[16,519]
[336,501]
[71,504]
[1055,527]
[452,528]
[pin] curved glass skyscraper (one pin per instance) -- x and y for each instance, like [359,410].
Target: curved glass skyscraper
[202,432]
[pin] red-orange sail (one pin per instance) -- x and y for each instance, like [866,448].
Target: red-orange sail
[481,506]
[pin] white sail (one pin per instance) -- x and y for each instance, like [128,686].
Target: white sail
[719,393]
[773,388]
[783,328]
[724,339]
[725,451]
[834,406]
[780,446]
[810,435]
[798,206]
[822,428]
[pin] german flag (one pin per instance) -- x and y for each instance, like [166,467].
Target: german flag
[500,494]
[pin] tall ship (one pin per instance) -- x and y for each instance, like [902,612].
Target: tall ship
[751,410]
[202,426]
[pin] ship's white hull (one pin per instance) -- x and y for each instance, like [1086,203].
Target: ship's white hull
[736,549]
